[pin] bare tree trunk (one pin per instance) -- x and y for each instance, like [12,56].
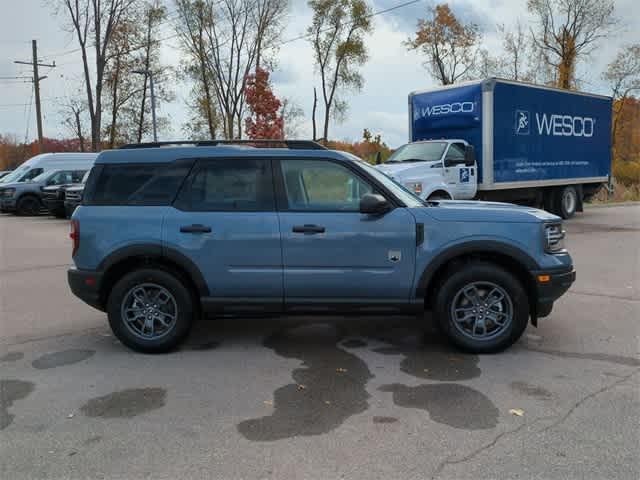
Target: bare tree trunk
[313,113]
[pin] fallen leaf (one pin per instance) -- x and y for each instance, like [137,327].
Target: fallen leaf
[517,412]
[268,402]
[341,370]
[71,415]
[327,402]
[426,370]
[302,387]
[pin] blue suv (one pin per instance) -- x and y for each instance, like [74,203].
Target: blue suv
[166,234]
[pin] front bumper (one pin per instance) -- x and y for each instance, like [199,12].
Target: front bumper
[8,204]
[550,286]
[85,285]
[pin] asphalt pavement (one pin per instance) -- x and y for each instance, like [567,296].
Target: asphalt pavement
[321,398]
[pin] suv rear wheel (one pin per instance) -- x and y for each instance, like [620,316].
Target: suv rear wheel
[482,308]
[150,310]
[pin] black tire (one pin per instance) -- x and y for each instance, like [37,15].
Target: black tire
[184,314]
[438,196]
[566,201]
[28,205]
[478,272]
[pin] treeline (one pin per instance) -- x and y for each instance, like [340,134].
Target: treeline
[229,49]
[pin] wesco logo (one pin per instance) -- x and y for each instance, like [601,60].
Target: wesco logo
[445,109]
[565,125]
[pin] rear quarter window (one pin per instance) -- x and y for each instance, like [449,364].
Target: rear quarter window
[136,184]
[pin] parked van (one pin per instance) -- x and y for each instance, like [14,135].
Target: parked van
[49,161]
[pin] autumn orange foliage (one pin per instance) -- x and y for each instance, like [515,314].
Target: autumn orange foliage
[13,153]
[626,141]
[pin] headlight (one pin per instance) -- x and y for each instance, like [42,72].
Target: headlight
[415,187]
[553,237]
[8,192]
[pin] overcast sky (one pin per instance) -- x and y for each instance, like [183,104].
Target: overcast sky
[390,74]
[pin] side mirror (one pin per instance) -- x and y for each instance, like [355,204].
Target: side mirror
[469,156]
[378,158]
[374,204]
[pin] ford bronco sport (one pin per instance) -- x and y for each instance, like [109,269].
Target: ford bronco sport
[167,233]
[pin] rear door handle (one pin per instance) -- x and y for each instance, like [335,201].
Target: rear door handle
[195,228]
[308,229]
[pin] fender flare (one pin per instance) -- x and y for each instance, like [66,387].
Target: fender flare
[474,246]
[439,187]
[155,250]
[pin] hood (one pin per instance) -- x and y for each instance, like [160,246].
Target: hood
[76,187]
[475,211]
[409,169]
[11,185]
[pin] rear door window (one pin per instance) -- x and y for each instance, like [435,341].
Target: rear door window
[236,184]
[138,184]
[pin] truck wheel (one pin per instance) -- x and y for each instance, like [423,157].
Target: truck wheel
[438,196]
[566,201]
[28,206]
[482,308]
[150,310]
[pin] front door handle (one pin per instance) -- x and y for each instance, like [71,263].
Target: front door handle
[195,228]
[308,229]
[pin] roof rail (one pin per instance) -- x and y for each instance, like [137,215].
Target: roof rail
[261,143]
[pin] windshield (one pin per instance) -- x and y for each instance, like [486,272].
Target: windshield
[406,196]
[418,152]
[15,175]
[42,176]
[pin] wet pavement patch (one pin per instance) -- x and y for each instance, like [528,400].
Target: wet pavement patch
[531,390]
[429,357]
[354,343]
[125,403]
[451,404]
[12,357]
[59,359]
[329,386]
[10,392]
[385,419]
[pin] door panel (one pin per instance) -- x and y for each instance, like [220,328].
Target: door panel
[460,178]
[357,256]
[330,250]
[225,222]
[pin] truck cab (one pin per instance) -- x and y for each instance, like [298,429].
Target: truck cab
[435,169]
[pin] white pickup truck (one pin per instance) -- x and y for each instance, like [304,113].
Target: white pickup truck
[435,169]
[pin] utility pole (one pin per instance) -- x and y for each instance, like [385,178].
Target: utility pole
[36,86]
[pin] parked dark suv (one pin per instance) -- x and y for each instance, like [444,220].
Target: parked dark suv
[164,234]
[54,196]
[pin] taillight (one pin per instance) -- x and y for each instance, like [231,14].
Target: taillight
[75,236]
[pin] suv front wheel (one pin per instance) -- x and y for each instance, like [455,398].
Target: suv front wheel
[150,310]
[482,308]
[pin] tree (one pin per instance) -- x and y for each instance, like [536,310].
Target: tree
[195,18]
[74,110]
[94,23]
[225,41]
[623,74]
[293,116]
[266,120]
[450,47]
[567,30]
[337,34]
[153,15]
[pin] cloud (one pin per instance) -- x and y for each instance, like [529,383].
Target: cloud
[390,74]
